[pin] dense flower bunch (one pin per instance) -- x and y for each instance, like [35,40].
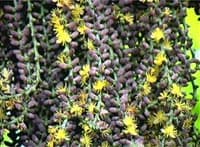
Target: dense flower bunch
[95,73]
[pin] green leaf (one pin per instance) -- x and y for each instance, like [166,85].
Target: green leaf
[188,90]
[6,138]
[196,109]
[194,27]
[197,123]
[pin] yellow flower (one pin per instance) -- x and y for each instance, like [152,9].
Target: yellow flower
[86,140]
[167,11]
[61,135]
[128,17]
[83,98]
[6,74]
[50,143]
[160,58]
[128,121]
[2,114]
[105,144]
[76,110]
[55,19]
[187,124]
[167,44]
[157,34]
[160,117]
[64,3]
[63,57]
[92,107]
[85,73]
[5,87]
[62,89]
[151,78]
[131,109]
[146,89]
[132,130]
[163,95]
[90,44]
[82,28]
[182,106]
[52,130]
[170,131]
[100,85]
[62,35]
[176,90]
[77,11]
[87,129]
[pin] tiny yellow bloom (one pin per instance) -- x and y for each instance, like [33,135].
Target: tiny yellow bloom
[62,35]
[2,114]
[146,89]
[61,135]
[63,58]
[128,121]
[157,34]
[128,17]
[50,143]
[87,129]
[86,140]
[160,58]
[167,44]
[100,85]
[92,107]
[167,11]
[62,89]
[83,98]
[82,28]
[52,130]
[105,144]
[170,131]
[150,77]
[76,110]
[6,74]
[132,130]
[77,11]
[160,117]
[163,95]
[131,109]
[181,106]
[90,44]
[64,3]
[176,90]
[85,73]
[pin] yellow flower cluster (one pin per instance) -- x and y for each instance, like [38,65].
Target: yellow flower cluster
[169,131]
[127,17]
[64,3]
[85,73]
[130,125]
[57,135]
[159,118]
[160,59]
[76,110]
[157,34]
[5,81]
[176,90]
[59,25]
[100,85]
[151,76]
[77,12]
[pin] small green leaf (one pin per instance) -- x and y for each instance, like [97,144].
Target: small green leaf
[196,109]
[6,138]
[197,123]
